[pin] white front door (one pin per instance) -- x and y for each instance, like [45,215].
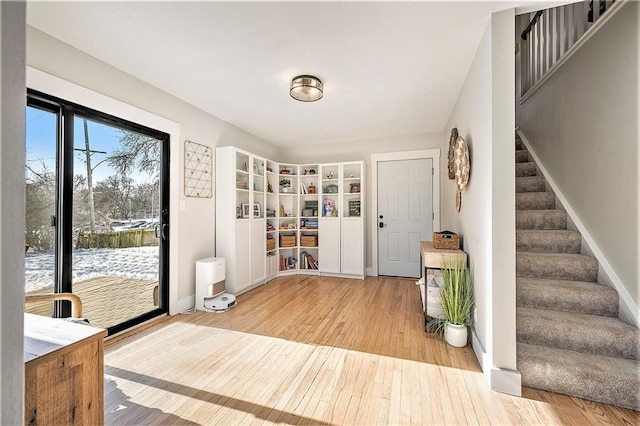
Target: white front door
[405,215]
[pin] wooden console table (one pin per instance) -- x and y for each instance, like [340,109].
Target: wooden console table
[433,258]
[64,372]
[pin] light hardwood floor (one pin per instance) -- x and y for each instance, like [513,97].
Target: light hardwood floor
[317,350]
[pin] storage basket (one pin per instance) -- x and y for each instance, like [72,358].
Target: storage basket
[446,240]
[271,244]
[287,241]
[242,184]
[309,240]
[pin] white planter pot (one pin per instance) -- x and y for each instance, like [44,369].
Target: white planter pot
[456,335]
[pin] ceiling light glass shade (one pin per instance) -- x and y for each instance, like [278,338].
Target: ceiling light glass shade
[306,88]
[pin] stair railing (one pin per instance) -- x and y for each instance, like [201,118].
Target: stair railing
[548,35]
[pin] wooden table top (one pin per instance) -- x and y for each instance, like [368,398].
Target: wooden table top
[44,335]
[433,257]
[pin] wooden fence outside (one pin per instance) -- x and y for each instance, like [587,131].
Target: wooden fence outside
[122,239]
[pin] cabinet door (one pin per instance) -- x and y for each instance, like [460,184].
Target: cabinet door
[352,247]
[329,246]
[242,269]
[258,251]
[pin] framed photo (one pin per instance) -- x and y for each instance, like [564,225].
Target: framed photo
[256,210]
[245,211]
[354,187]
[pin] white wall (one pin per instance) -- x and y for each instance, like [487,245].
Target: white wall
[484,116]
[583,124]
[196,224]
[12,101]
[362,150]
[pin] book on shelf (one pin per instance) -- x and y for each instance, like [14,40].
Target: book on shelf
[307,261]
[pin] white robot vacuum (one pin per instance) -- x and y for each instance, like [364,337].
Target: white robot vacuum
[220,303]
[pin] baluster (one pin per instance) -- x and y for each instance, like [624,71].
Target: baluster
[596,11]
[564,29]
[583,18]
[556,34]
[576,22]
[531,61]
[538,60]
[548,40]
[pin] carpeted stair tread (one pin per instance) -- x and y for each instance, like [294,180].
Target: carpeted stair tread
[548,241]
[567,296]
[526,169]
[530,184]
[535,201]
[522,156]
[556,266]
[541,219]
[567,330]
[598,378]
[519,144]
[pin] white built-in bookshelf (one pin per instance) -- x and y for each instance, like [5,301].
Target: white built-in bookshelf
[275,219]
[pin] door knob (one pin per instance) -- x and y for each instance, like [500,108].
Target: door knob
[381,225]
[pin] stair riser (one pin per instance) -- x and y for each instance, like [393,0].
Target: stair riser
[601,340]
[535,201]
[519,144]
[591,299]
[530,184]
[548,242]
[522,156]
[582,382]
[585,269]
[545,219]
[526,169]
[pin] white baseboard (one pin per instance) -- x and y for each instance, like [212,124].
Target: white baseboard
[506,381]
[371,273]
[183,305]
[628,309]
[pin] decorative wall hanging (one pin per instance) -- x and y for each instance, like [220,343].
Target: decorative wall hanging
[198,164]
[462,167]
[452,142]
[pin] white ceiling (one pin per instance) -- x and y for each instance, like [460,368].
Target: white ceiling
[389,69]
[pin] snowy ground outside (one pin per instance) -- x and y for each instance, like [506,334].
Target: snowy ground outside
[135,262]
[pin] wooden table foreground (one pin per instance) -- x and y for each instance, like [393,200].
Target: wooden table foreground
[64,377]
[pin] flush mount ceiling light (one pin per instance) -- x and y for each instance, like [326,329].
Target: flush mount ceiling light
[306,88]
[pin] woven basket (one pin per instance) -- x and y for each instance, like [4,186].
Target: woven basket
[449,241]
[309,240]
[287,241]
[271,244]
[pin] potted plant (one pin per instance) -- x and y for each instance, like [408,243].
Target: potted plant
[457,303]
[285,185]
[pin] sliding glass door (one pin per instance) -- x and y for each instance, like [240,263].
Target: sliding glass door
[102,185]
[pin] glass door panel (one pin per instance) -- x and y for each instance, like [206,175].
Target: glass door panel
[40,203]
[116,222]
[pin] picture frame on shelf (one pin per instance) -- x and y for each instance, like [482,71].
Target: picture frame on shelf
[354,188]
[245,211]
[256,210]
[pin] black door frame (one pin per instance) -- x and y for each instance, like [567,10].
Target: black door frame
[66,112]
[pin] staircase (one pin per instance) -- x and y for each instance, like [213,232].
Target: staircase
[570,339]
